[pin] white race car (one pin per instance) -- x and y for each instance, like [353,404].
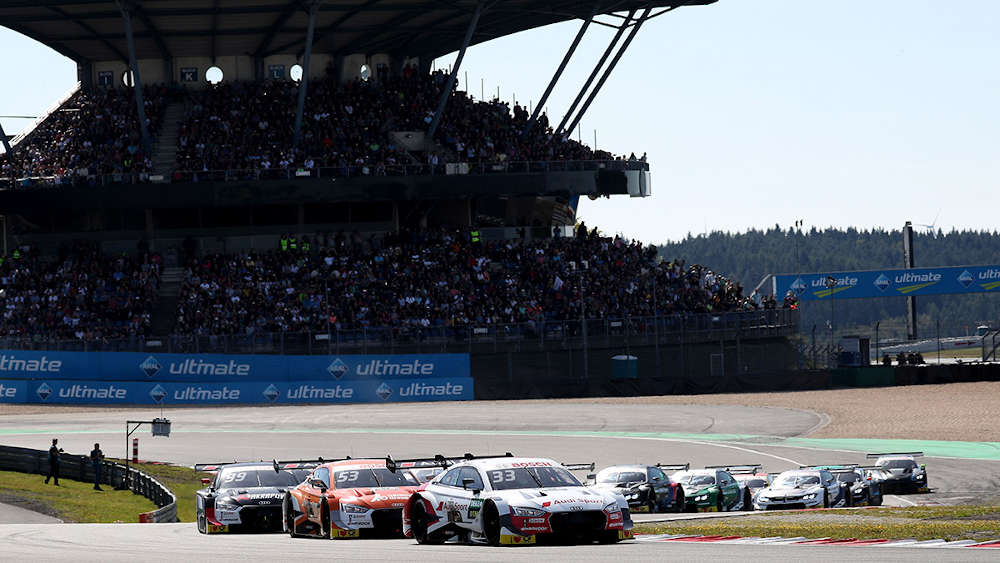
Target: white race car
[514,501]
[801,488]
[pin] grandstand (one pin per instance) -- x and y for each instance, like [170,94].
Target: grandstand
[292,176]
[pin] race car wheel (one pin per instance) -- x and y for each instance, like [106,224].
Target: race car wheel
[324,520]
[874,500]
[718,503]
[609,536]
[679,504]
[419,522]
[747,501]
[826,499]
[288,516]
[202,524]
[848,498]
[651,502]
[491,524]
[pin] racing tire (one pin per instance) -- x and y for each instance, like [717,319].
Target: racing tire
[609,536]
[491,524]
[288,516]
[324,520]
[651,503]
[419,523]
[873,500]
[826,499]
[718,503]
[747,501]
[679,504]
[202,524]
[848,499]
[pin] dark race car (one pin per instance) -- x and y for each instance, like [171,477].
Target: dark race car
[643,485]
[861,488]
[902,473]
[246,497]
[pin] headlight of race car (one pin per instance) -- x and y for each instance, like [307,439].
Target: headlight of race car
[353,508]
[226,504]
[525,511]
[701,497]
[762,498]
[810,496]
[613,507]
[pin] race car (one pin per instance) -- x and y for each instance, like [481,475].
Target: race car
[865,490]
[904,474]
[710,489]
[344,498]
[506,500]
[246,496]
[751,478]
[643,485]
[801,488]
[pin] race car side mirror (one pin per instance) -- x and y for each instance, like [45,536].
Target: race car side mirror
[591,476]
[318,483]
[923,466]
[206,480]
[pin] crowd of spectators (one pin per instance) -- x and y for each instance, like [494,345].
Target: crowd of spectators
[92,133]
[442,278]
[83,294]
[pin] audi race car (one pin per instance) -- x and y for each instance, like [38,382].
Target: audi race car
[344,498]
[643,485]
[865,490]
[801,488]
[246,496]
[904,475]
[508,500]
[709,489]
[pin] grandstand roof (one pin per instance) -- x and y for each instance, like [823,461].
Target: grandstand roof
[92,30]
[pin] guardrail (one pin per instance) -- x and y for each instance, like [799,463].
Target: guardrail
[79,468]
[257,174]
[470,339]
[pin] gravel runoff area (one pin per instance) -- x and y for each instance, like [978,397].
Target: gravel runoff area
[954,411]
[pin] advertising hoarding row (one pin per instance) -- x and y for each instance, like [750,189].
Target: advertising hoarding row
[889,283]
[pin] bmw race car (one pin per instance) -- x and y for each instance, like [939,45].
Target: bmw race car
[246,496]
[904,475]
[508,500]
[865,490]
[751,478]
[709,489]
[643,485]
[801,488]
[344,498]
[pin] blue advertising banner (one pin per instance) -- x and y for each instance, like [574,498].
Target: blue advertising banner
[280,392]
[129,366]
[889,283]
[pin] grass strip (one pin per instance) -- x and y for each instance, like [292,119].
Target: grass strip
[951,523]
[73,501]
[183,481]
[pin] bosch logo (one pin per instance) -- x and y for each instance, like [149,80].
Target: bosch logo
[150,366]
[384,391]
[157,393]
[44,391]
[337,368]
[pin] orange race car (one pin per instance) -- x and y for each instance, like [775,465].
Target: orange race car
[344,498]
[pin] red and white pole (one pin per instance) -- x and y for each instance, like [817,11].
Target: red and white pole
[135,450]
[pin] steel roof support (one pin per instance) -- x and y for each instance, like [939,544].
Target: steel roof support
[611,67]
[450,84]
[304,83]
[126,10]
[559,71]
[6,142]
[597,68]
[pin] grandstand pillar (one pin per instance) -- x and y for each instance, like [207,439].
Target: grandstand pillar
[450,84]
[396,65]
[85,75]
[258,68]
[125,8]
[425,64]
[597,68]
[559,71]
[304,83]
[611,66]
[6,147]
[338,69]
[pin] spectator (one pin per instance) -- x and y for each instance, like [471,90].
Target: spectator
[97,461]
[54,461]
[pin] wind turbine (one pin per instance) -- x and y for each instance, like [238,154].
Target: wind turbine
[931,228]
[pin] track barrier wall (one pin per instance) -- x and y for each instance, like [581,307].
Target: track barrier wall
[80,468]
[168,379]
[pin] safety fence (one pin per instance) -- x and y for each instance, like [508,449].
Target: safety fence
[258,174]
[80,468]
[471,339]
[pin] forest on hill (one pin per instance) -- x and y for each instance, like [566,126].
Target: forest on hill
[748,257]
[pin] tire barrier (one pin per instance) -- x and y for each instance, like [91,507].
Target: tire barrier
[79,468]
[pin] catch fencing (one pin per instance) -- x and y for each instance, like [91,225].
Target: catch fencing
[80,468]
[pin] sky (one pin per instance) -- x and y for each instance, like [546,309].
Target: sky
[752,113]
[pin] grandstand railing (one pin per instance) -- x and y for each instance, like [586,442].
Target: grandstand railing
[257,174]
[476,338]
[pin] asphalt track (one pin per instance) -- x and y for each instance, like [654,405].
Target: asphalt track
[568,431]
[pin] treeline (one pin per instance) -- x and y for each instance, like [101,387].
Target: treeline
[749,256]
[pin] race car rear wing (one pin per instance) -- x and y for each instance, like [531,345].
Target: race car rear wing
[831,466]
[290,464]
[674,466]
[893,454]
[437,461]
[745,468]
[580,466]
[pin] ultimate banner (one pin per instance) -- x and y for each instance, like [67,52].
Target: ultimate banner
[889,283]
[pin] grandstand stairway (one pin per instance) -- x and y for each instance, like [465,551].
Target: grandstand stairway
[165,153]
[165,313]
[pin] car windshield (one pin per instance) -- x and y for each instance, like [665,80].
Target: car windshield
[846,477]
[614,476]
[755,483]
[693,479]
[424,474]
[796,480]
[898,464]
[531,478]
[243,478]
[380,477]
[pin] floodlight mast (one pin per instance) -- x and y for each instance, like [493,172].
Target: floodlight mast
[304,82]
